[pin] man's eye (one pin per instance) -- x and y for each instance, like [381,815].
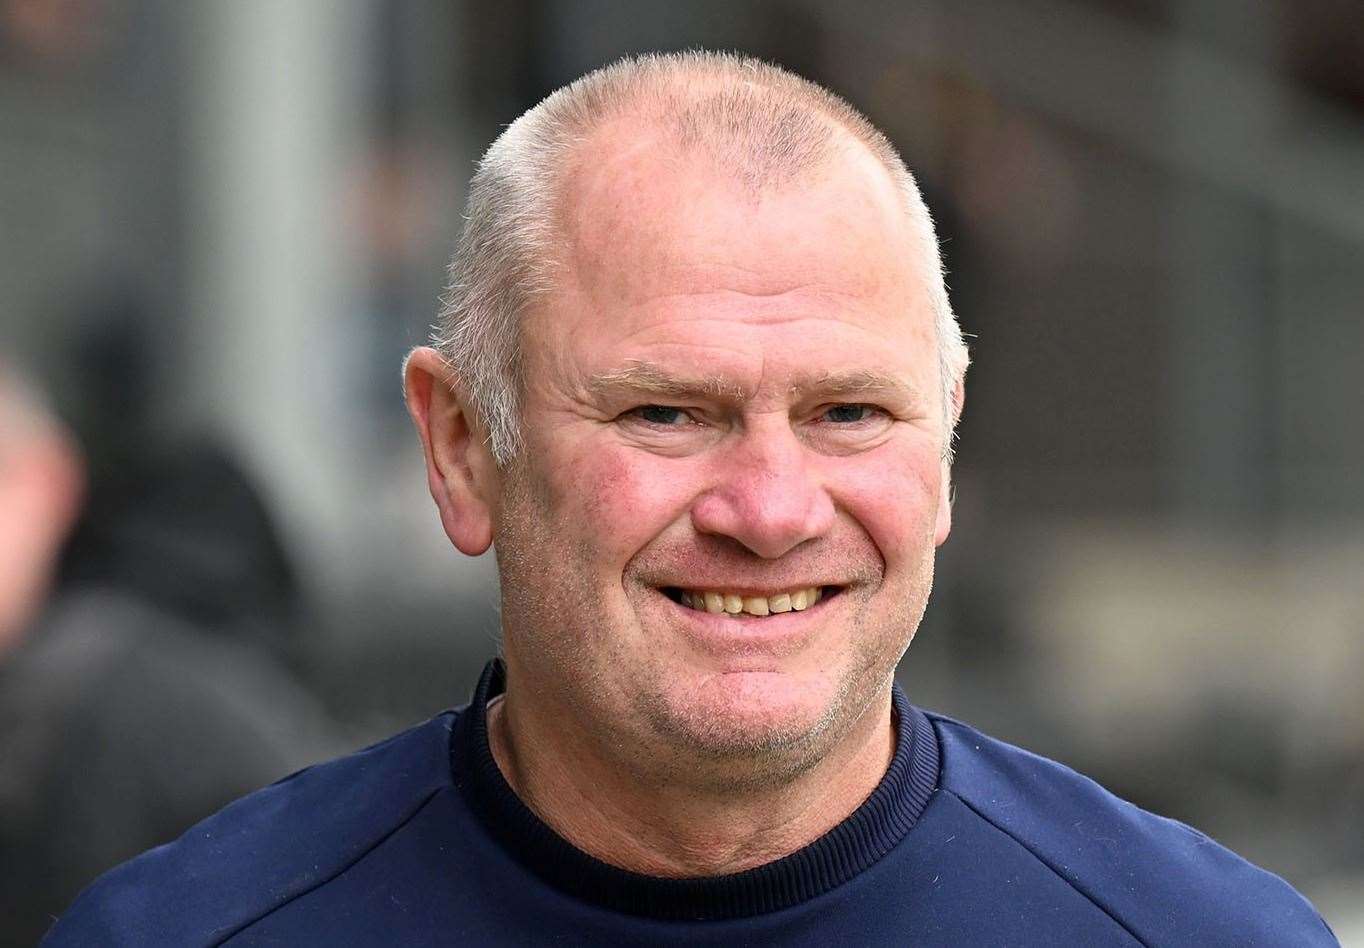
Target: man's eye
[660,415]
[848,414]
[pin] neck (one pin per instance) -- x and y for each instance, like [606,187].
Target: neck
[630,818]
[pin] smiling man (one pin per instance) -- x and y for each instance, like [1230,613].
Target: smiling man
[695,381]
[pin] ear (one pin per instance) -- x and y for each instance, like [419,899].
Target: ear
[943,525]
[459,467]
[58,472]
[42,484]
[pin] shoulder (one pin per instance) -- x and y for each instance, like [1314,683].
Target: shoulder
[1164,881]
[99,654]
[265,849]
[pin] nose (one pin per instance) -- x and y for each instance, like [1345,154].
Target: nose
[766,494]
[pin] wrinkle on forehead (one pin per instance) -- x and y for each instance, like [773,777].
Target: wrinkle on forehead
[671,278]
[768,300]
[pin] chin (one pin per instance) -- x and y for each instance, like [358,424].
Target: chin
[749,716]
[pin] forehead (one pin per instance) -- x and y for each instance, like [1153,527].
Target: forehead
[639,214]
[666,258]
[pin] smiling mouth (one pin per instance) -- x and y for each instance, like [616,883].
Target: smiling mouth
[719,601]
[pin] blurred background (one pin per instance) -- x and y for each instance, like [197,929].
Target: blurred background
[222,225]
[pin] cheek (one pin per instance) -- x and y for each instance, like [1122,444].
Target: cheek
[619,499]
[895,500]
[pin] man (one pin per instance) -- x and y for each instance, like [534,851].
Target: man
[107,697]
[696,381]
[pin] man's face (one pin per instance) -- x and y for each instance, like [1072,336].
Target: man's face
[728,396]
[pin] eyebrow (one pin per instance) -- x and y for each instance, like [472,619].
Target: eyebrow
[652,379]
[857,382]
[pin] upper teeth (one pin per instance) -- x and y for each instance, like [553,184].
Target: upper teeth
[733,603]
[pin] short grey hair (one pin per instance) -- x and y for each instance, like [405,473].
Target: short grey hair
[767,124]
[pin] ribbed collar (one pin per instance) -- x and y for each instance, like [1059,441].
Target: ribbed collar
[870,832]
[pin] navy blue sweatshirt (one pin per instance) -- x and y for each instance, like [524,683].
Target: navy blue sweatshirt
[420,841]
